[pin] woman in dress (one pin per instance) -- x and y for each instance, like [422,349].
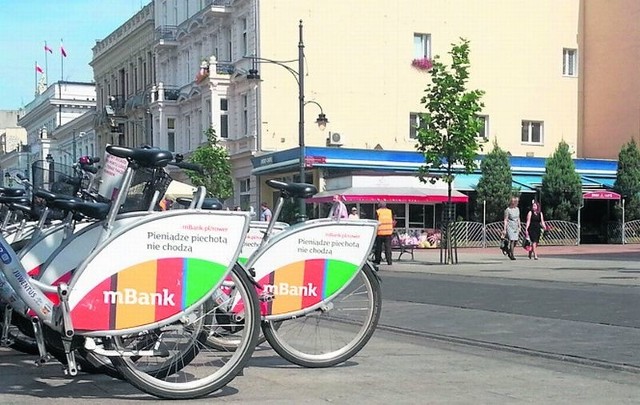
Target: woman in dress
[512,225]
[534,227]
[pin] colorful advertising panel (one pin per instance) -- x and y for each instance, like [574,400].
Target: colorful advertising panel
[156,269]
[302,269]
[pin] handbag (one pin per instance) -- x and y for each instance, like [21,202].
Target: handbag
[527,245]
[504,246]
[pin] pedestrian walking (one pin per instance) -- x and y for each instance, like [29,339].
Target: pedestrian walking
[265,212]
[338,209]
[354,213]
[512,225]
[383,237]
[533,229]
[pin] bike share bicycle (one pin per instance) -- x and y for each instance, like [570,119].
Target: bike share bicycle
[40,230]
[320,298]
[161,287]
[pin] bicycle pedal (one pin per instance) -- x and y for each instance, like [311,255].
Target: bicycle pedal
[6,342]
[42,360]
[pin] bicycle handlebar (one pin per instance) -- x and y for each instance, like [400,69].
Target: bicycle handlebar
[188,166]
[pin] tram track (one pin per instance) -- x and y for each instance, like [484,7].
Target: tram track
[459,340]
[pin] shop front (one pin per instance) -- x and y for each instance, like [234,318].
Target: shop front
[365,177]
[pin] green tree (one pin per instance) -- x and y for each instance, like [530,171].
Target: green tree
[561,186]
[448,131]
[628,179]
[215,163]
[494,186]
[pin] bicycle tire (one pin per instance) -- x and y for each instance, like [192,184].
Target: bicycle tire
[321,338]
[203,374]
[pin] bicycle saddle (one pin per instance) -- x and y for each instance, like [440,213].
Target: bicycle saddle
[11,192]
[14,200]
[300,190]
[143,157]
[96,210]
[26,210]
[48,196]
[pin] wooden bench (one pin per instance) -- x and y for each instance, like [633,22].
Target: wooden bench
[403,249]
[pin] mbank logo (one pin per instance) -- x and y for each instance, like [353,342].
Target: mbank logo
[308,290]
[130,296]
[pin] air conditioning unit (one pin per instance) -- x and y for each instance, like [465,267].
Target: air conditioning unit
[335,139]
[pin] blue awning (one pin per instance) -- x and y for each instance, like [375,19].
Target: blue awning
[466,182]
[527,182]
[598,182]
[469,182]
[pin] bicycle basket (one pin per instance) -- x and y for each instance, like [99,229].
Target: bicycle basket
[56,178]
[145,182]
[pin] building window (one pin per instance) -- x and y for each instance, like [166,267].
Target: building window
[214,45]
[532,132]
[483,133]
[245,114]
[570,62]
[421,46]
[171,134]
[245,43]
[245,193]
[414,125]
[229,46]
[224,118]
[187,130]
[208,123]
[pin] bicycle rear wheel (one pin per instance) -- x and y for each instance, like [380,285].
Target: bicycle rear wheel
[335,332]
[199,370]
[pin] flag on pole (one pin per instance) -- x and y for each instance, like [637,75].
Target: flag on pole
[38,68]
[62,51]
[47,48]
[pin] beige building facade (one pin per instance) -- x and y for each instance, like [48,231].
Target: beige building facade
[524,55]
[359,69]
[610,80]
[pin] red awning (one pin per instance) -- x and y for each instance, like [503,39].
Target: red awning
[410,195]
[601,195]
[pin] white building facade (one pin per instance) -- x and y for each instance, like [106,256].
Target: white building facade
[50,121]
[124,73]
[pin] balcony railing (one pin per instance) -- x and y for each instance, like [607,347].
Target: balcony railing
[117,102]
[166,33]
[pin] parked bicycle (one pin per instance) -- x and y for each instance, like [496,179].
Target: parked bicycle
[149,281]
[320,297]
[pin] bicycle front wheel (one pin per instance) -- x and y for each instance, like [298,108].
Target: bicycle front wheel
[204,370]
[336,331]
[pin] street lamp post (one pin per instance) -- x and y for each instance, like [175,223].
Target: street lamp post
[322,118]
[302,206]
[50,163]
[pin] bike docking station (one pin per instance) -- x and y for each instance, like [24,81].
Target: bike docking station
[173,301]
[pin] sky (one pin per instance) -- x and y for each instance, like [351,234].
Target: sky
[25,25]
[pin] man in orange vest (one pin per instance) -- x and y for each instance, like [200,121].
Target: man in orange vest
[385,230]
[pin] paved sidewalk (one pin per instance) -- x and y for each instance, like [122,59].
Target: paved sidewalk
[599,264]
